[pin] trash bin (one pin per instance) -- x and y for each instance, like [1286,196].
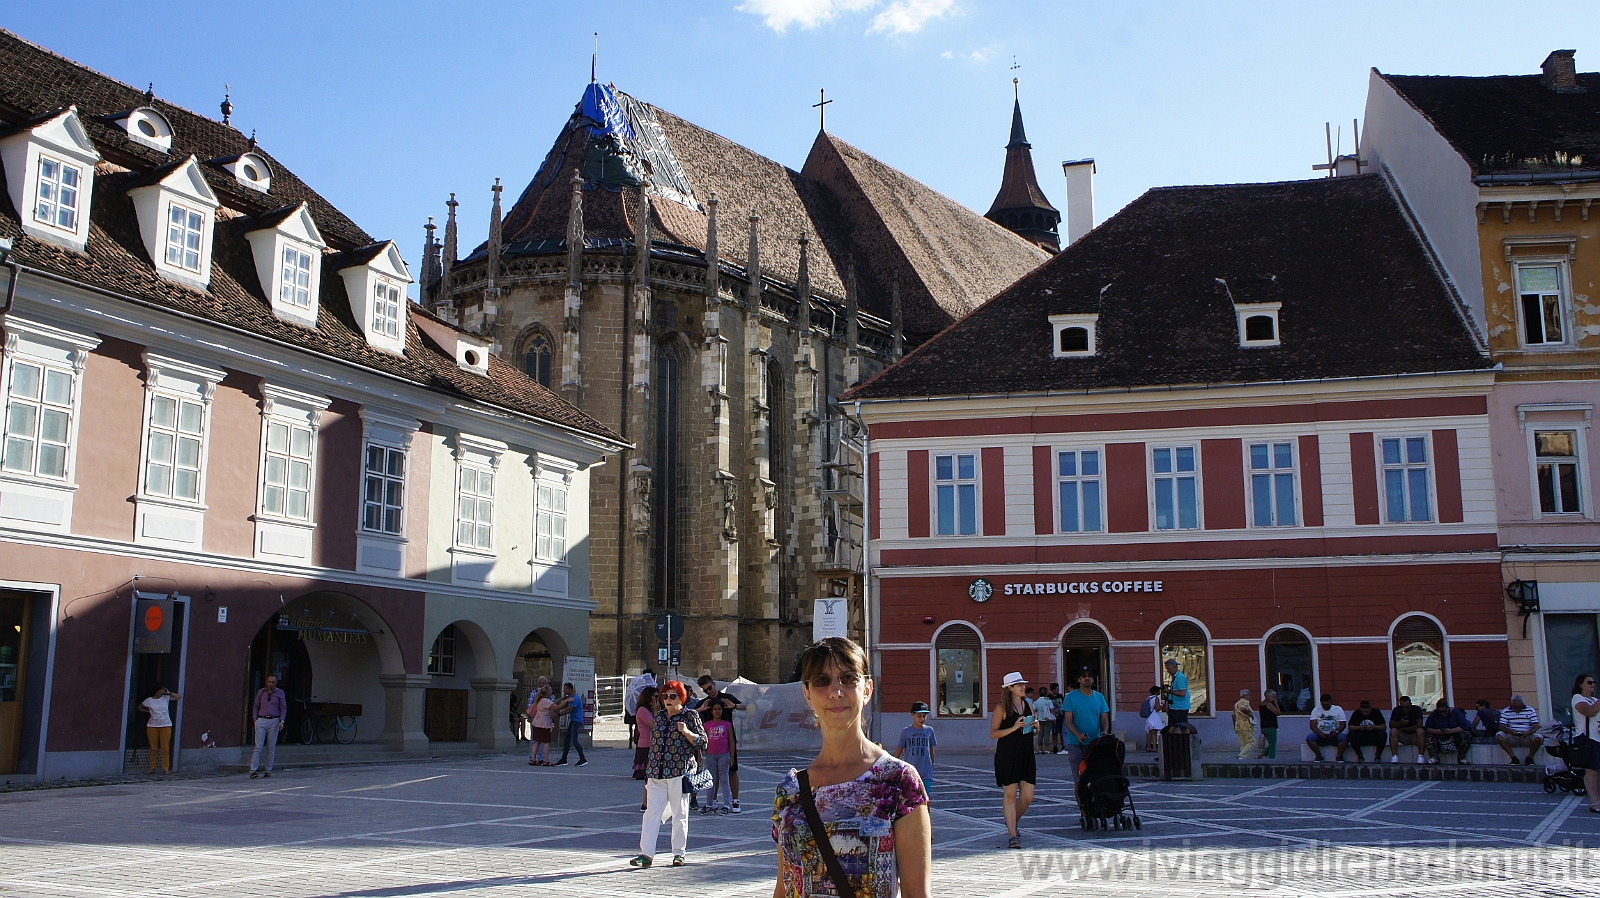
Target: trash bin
[1181,753]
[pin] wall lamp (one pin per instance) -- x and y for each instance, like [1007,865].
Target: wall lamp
[1526,594]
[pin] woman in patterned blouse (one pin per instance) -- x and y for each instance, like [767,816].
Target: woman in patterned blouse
[872,804]
[674,735]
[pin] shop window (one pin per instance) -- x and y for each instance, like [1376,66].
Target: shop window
[1556,458]
[384,489]
[1176,489]
[1405,479]
[1572,647]
[442,657]
[551,542]
[1272,484]
[1419,661]
[1289,670]
[1078,479]
[959,653]
[956,492]
[1185,641]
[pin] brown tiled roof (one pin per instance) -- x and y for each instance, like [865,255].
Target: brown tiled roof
[1359,291]
[1510,123]
[853,206]
[116,260]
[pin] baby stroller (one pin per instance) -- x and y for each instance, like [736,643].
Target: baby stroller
[1103,793]
[1558,774]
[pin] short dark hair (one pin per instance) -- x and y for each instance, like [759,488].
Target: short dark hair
[1054,685]
[1326,697]
[1365,703]
[706,680]
[1155,690]
[157,687]
[836,650]
[1483,703]
[1406,699]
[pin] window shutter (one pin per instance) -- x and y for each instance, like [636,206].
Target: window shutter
[1418,629]
[1364,478]
[1183,633]
[872,496]
[1085,636]
[1311,480]
[1044,484]
[1222,474]
[918,521]
[959,636]
[1127,491]
[1447,476]
[993,490]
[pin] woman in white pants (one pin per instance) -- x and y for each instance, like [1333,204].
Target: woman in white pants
[674,736]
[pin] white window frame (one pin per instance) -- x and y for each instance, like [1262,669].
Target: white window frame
[478,472]
[290,290]
[545,542]
[1244,311]
[35,437]
[1078,480]
[1575,417]
[278,533]
[1175,475]
[378,551]
[388,300]
[27,500]
[954,484]
[1563,299]
[54,218]
[1272,473]
[1575,461]
[1428,465]
[193,225]
[169,519]
[385,479]
[1059,323]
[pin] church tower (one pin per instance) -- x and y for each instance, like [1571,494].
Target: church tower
[1020,206]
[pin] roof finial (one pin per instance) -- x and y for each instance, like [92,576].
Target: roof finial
[150,94]
[594,61]
[227,103]
[252,138]
[822,109]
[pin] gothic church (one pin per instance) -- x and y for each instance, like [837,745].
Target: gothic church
[711,304]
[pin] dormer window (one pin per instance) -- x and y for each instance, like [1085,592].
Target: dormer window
[1073,336]
[1258,323]
[58,194]
[375,279]
[146,127]
[295,288]
[49,166]
[288,253]
[176,209]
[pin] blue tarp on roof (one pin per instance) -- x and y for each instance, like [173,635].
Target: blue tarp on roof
[600,106]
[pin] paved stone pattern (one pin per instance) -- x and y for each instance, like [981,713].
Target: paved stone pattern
[495,827]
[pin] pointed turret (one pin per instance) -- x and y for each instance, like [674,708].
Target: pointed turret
[443,302]
[1020,206]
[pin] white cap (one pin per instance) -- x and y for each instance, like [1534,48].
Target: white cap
[1013,679]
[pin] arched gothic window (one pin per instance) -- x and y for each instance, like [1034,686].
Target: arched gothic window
[536,356]
[778,471]
[667,583]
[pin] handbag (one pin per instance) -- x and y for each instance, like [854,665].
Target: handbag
[700,779]
[819,837]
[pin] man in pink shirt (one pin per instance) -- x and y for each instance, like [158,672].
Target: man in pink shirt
[269,709]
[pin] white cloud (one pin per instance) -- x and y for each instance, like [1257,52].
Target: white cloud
[908,16]
[947,55]
[980,55]
[780,14]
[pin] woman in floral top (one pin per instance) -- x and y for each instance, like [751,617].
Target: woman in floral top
[674,735]
[872,804]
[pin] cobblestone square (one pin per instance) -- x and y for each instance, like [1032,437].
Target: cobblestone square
[492,826]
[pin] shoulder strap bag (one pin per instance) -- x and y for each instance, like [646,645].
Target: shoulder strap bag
[819,837]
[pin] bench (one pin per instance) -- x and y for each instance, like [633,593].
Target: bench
[1482,753]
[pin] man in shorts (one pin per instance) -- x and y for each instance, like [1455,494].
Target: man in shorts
[1328,725]
[730,703]
[1177,694]
[1519,728]
[1405,725]
[1367,730]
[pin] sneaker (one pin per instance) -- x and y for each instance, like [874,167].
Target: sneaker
[724,811]
[559,763]
[678,861]
[1394,759]
[640,861]
[268,774]
[253,774]
[581,762]
[705,810]
[735,809]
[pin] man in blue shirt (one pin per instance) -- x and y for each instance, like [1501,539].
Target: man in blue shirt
[571,705]
[1177,694]
[1086,716]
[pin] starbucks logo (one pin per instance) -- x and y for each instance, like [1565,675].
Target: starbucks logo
[980,590]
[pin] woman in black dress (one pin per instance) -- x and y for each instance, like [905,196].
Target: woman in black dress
[1011,726]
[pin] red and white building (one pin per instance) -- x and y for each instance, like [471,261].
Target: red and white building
[1242,426]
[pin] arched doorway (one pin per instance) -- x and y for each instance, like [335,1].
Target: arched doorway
[324,647]
[1087,645]
[459,653]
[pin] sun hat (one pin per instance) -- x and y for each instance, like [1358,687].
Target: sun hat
[920,708]
[1013,679]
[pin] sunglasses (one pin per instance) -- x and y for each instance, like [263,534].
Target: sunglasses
[823,681]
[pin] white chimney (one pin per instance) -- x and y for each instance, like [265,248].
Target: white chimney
[1080,198]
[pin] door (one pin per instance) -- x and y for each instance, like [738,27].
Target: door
[1572,647]
[446,715]
[1086,645]
[149,669]
[14,633]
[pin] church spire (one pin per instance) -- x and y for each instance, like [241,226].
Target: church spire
[444,303]
[495,222]
[1020,206]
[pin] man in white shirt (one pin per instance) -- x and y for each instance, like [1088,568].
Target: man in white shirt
[1328,724]
[1519,728]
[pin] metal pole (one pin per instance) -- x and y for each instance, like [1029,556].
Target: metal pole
[869,606]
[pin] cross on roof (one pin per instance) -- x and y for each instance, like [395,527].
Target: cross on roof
[822,108]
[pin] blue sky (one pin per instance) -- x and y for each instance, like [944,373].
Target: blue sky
[387,108]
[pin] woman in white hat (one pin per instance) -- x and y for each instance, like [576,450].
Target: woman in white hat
[1011,726]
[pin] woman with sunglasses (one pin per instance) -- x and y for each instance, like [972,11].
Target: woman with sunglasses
[1585,722]
[675,733]
[871,806]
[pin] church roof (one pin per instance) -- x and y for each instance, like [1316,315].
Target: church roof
[1359,294]
[1019,184]
[946,257]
